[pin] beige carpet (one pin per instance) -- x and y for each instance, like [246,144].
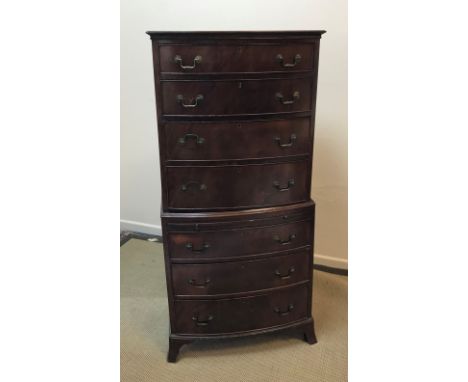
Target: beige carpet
[272,358]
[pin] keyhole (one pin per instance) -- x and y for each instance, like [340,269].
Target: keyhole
[239,85]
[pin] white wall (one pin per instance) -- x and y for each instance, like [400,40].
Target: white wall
[140,186]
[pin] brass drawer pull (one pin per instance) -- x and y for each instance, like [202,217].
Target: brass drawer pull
[198,139]
[287,275]
[277,185]
[196,60]
[284,242]
[284,312]
[200,285]
[186,186]
[292,139]
[198,100]
[280,98]
[297,60]
[202,323]
[193,249]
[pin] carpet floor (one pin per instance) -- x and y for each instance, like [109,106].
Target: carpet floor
[270,357]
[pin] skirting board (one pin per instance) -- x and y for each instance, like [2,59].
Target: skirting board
[130,225]
[329,261]
[152,229]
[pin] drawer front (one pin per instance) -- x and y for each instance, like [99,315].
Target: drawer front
[241,314]
[236,97]
[239,242]
[235,187]
[192,141]
[180,58]
[240,276]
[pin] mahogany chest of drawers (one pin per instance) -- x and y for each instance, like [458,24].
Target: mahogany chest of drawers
[236,115]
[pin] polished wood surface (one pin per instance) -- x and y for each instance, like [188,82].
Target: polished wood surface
[239,242]
[236,117]
[236,96]
[239,186]
[212,279]
[237,140]
[241,314]
[258,217]
[260,57]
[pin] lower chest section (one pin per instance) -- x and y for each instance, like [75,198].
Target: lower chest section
[231,272]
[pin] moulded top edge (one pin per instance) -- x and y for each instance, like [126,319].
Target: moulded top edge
[235,34]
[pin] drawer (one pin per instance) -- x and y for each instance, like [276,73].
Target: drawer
[192,141]
[236,186]
[241,314]
[236,96]
[182,58]
[240,276]
[239,242]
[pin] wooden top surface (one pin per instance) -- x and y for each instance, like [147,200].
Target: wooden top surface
[236,34]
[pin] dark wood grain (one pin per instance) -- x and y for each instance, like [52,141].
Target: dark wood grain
[239,242]
[309,334]
[238,218]
[237,140]
[226,36]
[304,327]
[231,233]
[241,314]
[205,187]
[236,96]
[239,276]
[235,58]
[174,348]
